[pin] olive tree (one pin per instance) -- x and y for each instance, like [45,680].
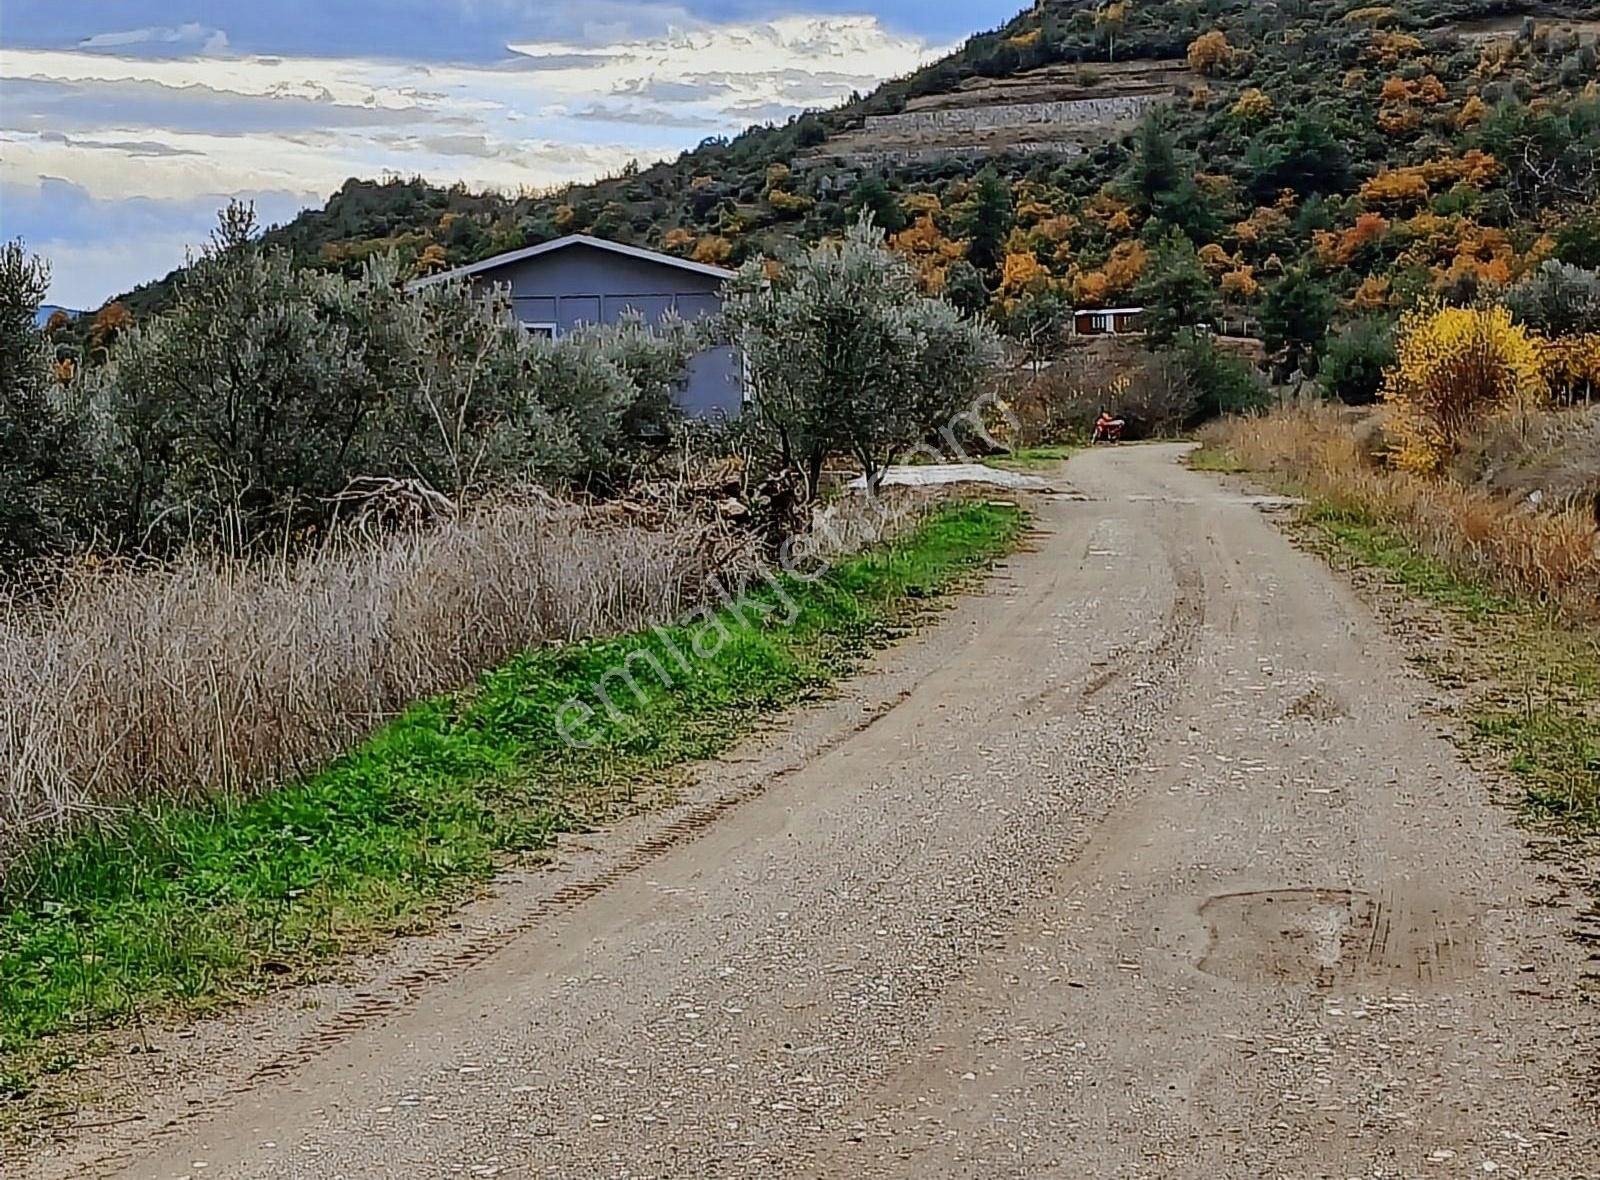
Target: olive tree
[846,355]
[253,401]
[1557,299]
[35,450]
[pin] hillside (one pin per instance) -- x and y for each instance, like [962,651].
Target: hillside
[1385,151]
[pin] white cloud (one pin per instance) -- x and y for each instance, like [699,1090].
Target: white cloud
[167,114]
[185,36]
[174,167]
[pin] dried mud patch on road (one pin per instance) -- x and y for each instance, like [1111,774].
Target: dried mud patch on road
[1335,937]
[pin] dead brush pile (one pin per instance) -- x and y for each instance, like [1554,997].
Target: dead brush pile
[1548,552]
[141,687]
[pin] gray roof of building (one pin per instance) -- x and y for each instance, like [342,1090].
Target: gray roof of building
[499,260]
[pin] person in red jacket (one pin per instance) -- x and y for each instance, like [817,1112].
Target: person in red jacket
[1108,428]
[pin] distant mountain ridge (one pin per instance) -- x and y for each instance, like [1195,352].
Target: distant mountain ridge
[49,309]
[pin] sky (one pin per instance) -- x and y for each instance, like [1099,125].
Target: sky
[126,124]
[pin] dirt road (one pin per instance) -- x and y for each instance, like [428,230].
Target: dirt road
[1146,861]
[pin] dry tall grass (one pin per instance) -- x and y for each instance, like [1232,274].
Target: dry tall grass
[1551,555]
[217,675]
[132,686]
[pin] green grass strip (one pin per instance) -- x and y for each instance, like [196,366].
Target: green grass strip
[1027,459]
[187,907]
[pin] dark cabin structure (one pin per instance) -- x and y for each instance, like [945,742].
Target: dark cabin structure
[563,284]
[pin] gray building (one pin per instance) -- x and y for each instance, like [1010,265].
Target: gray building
[576,280]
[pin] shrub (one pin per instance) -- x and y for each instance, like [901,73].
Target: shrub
[1557,299]
[1454,367]
[247,407]
[1570,366]
[1353,366]
[1153,392]
[1252,106]
[35,450]
[1223,382]
[1210,52]
[846,355]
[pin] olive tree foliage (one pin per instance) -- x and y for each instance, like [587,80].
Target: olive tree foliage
[35,447]
[252,402]
[845,355]
[1557,299]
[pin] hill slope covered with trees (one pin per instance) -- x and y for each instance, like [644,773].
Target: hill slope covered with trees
[1358,154]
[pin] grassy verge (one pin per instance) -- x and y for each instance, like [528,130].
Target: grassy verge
[1530,676]
[188,908]
[1033,458]
[1215,459]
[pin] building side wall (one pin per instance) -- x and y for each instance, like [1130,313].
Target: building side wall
[582,285]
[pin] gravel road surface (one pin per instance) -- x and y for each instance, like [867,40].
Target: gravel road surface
[1148,860]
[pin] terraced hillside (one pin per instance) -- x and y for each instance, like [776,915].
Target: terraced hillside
[1061,109]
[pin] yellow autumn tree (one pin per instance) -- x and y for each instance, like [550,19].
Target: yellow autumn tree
[109,321]
[1571,367]
[1472,112]
[712,248]
[1430,91]
[678,239]
[1215,259]
[783,201]
[1240,285]
[1267,224]
[1375,16]
[1396,186]
[1372,294]
[1112,18]
[1399,120]
[1125,266]
[1455,367]
[1022,274]
[929,251]
[1390,47]
[1252,106]
[431,260]
[1054,230]
[1210,52]
[1089,288]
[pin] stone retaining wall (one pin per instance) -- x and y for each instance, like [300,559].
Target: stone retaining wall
[1086,112]
[890,157]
